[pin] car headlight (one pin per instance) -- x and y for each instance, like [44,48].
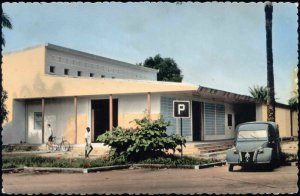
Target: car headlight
[260,150]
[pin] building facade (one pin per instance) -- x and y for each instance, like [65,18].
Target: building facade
[71,90]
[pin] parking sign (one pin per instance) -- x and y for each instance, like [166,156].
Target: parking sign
[181,109]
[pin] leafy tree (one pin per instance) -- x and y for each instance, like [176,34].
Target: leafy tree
[293,102]
[270,74]
[6,24]
[4,111]
[148,140]
[259,93]
[168,68]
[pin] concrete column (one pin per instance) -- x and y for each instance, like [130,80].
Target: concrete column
[43,119]
[291,121]
[110,112]
[75,113]
[26,121]
[149,104]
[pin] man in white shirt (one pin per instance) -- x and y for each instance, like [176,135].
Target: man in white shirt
[88,141]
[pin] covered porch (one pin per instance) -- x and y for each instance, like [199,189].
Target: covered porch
[214,114]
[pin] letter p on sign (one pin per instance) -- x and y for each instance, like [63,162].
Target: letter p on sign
[181,109]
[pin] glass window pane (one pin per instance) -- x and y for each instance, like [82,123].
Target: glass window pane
[37,120]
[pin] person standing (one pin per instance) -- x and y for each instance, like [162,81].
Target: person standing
[88,142]
[50,138]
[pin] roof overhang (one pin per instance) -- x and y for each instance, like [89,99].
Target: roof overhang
[224,96]
[60,86]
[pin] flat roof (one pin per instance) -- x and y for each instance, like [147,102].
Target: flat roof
[85,54]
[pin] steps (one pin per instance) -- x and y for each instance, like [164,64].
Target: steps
[214,149]
[208,149]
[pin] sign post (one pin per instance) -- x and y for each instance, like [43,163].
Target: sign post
[181,135]
[181,109]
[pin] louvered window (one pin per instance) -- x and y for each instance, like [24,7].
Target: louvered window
[214,119]
[166,108]
[220,119]
[166,105]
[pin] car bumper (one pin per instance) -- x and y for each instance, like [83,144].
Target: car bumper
[257,158]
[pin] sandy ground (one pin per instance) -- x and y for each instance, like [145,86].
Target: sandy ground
[154,181]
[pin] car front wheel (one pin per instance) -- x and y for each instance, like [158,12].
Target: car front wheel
[230,168]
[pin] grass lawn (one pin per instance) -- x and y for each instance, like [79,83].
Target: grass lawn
[30,160]
[21,160]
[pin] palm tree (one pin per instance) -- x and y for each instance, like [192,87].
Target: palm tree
[5,24]
[293,101]
[270,74]
[259,93]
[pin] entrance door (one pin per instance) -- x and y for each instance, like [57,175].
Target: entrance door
[100,116]
[244,113]
[196,120]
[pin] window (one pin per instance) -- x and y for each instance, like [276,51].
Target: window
[214,119]
[166,108]
[66,71]
[37,120]
[102,76]
[91,75]
[254,134]
[229,119]
[52,69]
[78,73]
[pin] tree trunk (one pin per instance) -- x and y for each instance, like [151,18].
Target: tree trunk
[1,99]
[270,74]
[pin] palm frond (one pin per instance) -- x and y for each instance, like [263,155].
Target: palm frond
[3,40]
[6,21]
[259,93]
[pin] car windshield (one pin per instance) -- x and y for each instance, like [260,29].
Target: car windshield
[257,134]
[255,131]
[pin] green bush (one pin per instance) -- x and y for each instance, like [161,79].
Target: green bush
[148,140]
[38,161]
[288,157]
[172,160]
[103,162]
[19,161]
[18,148]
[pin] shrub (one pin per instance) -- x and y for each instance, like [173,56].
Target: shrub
[287,157]
[148,140]
[19,161]
[3,111]
[173,160]
[18,148]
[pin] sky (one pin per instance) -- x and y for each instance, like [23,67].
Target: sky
[216,45]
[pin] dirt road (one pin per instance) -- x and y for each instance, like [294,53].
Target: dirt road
[154,181]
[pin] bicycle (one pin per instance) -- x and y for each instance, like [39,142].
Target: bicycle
[64,145]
